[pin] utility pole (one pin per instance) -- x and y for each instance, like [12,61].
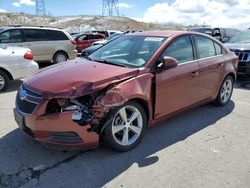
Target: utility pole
[110,8]
[40,7]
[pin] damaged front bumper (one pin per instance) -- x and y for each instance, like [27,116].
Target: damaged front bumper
[74,123]
[56,129]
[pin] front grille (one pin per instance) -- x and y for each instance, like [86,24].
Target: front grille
[64,137]
[244,55]
[23,104]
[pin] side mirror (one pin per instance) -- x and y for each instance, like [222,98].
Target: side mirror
[168,63]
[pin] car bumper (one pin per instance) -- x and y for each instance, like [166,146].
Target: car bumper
[23,71]
[72,54]
[57,130]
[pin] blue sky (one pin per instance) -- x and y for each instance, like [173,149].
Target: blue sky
[217,13]
[77,7]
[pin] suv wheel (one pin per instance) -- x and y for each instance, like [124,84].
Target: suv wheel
[4,81]
[60,57]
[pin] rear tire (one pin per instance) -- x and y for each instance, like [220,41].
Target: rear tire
[4,81]
[225,91]
[124,132]
[60,57]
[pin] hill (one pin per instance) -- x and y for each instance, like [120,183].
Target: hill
[82,23]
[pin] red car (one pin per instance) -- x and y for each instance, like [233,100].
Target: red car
[85,40]
[123,88]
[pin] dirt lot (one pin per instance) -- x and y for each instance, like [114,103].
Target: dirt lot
[205,147]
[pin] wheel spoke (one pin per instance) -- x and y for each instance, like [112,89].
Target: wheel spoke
[223,94]
[123,114]
[1,82]
[117,128]
[125,137]
[134,115]
[135,129]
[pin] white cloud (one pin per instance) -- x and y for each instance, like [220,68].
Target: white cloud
[2,10]
[23,2]
[222,13]
[124,5]
[16,4]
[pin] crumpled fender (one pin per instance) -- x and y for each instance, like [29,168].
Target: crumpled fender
[139,87]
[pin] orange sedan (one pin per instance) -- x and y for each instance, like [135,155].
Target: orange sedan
[123,88]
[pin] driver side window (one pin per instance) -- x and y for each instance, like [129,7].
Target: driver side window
[181,49]
[11,36]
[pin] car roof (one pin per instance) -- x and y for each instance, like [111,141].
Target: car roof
[30,27]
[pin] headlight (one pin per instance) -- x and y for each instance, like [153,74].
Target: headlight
[113,98]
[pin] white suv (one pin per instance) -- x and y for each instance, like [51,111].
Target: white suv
[46,44]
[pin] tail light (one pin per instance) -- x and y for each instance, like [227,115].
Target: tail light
[73,41]
[28,55]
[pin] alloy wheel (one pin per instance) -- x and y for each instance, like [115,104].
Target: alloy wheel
[2,82]
[226,90]
[127,125]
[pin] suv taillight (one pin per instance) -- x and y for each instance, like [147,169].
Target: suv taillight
[73,41]
[28,55]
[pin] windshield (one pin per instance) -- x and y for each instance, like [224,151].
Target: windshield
[115,35]
[129,51]
[241,37]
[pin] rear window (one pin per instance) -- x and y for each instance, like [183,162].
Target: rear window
[32,35]
[205,46]
[218,48]
[57,35]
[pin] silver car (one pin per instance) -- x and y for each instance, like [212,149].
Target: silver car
[15,63]
[47,44]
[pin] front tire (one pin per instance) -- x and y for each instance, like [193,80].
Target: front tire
[225,92]
[126,128]
[4,81]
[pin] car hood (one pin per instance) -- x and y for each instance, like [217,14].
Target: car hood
[238,46]
[76,78]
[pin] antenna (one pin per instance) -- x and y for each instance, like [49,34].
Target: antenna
[40,7]
[110,7]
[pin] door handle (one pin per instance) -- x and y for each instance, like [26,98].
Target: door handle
[220,64]
[194,74]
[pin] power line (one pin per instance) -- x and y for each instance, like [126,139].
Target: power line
[110,7]
[40,7]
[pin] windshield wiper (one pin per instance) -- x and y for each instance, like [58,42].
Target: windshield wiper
[108,62]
